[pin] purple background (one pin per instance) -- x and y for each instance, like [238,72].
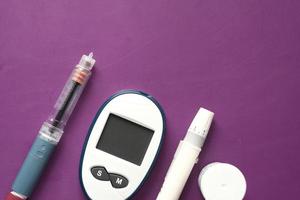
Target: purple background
[237,58]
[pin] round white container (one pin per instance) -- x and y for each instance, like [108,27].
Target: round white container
[222,181]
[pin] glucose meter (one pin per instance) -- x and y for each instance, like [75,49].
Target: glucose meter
[121,146]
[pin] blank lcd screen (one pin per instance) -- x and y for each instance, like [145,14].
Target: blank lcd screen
[125,139]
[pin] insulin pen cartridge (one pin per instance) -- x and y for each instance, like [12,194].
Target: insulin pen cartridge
[186,156]
[51,131]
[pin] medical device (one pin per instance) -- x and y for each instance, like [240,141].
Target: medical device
[121,146]
[51,131]
[186,156]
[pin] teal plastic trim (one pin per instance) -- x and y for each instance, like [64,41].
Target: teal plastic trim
[33,167]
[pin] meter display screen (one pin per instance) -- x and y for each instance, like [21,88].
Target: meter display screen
[125,139]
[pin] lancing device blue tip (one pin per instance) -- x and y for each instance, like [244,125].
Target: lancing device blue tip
[51,131]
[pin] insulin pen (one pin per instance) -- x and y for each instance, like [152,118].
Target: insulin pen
[51,131]
[186,156]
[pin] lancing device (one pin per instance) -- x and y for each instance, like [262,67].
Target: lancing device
[186,156]
[51,131]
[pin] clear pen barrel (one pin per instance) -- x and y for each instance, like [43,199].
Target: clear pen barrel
[69,97]
[71,92]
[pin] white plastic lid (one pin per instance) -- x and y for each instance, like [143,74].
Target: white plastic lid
[222,181]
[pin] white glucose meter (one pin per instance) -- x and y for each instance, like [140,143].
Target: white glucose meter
[122,145]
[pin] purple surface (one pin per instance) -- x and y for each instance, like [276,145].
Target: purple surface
[239,59]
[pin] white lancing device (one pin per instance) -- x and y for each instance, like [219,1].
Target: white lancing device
[186,156]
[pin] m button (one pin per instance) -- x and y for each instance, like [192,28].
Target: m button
[118,181]
[100,173]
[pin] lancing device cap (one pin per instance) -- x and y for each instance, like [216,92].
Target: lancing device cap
[222,181]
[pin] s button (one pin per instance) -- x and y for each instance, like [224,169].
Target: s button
[100,173]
